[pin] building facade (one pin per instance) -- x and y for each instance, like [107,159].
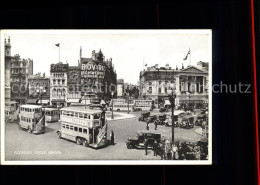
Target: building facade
[74,89]
[120,88]
[190,84]
[59,84]
[39,89]
[8,59]
[20,70]
[98,76]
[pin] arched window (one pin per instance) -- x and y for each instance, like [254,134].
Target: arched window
[159,90]
[54,92]
[165,89]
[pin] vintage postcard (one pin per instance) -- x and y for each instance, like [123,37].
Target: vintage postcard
[105,97]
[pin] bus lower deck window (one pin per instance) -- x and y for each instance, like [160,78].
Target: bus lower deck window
[80,129]
[75,128]
[85,131]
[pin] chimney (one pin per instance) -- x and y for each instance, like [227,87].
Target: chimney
[9,39]
[176,67]
[43,75]
[182,66]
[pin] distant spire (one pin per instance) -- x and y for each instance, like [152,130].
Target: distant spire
[182,66]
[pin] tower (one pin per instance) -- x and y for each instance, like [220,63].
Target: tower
[8,58]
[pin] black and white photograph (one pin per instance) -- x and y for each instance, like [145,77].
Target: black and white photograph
[132,97]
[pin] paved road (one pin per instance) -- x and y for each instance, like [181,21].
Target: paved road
[21,145]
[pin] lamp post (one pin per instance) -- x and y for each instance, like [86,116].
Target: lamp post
[85,95]
[112,116]
[172,97]
[127,103]
[40,91]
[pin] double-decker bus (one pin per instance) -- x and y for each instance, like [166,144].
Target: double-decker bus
[32,119]
[87,127]
[51,114]
[123,107]
[144,105]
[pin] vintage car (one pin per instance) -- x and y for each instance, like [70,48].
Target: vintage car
[200,119]
[150,119]
[161,119]
[187,122]
[168,121]
[163,109]
[144,116]
[138,142]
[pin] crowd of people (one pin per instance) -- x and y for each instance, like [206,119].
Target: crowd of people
[178,151]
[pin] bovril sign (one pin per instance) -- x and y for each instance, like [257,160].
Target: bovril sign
[92,70]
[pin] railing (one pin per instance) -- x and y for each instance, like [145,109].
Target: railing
[101,133]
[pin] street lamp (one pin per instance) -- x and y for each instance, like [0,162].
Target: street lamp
[172,97]
[85,95]
[112,116]
[127,103]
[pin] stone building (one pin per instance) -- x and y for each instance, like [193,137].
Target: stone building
[190,84]
[59,84]
[74,88]
[39,89]
[98,76]
[120,88]
[20,70]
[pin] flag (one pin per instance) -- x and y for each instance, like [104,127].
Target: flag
[187,55]
[58,45]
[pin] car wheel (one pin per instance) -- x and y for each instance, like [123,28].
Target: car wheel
[79,141]
[85,143]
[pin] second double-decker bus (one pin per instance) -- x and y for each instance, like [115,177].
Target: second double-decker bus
[123,107]
[144,104]
[87,127]
[32,119]
[51,114]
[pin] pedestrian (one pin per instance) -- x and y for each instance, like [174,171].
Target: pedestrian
[147,125]
[112,137]
[155,125]
[168,150]
[146,146]
[174,152]
[155,148]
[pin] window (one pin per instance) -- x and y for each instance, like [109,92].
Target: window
[96,116]
[76,129]
[86,116]
[64,112]
[81,115]
[67,126]
[160,90]
[76,114]
[85,131]
[80,129]
[63,125]
[71,127]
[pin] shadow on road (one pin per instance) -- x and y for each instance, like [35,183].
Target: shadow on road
[48,129]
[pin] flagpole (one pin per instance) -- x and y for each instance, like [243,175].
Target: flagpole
[59,52]
[190,57]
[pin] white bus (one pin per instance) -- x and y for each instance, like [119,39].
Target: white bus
[32,119]
[144,105]
[123,107]
[117,101]
[83,126]
[51,114]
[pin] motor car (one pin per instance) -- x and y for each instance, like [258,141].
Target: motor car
[150,119]
[137,109]
[168,121]
[144,116]
[187,122]
[138,142]
[161,119]
[163,109]
[200,119]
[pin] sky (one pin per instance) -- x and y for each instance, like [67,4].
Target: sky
[129,50]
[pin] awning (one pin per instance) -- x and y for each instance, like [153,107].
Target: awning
[32,101]
[167,102]
[73,100]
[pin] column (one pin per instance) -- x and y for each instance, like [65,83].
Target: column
[203,84]
[177,85]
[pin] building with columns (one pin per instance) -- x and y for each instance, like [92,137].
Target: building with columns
[8,59]
[190,84]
